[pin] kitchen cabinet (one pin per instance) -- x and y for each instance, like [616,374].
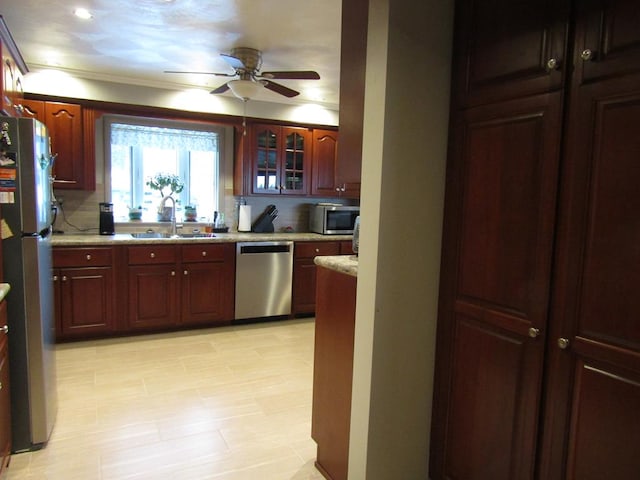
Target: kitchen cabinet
[324,163]
[537,371]
[153,287]
[173,285]
[280,159]
[333,371]
[304,274]
[74,167]
[12,70]
[5,397]
[208,285]
[81,274]
[353,56]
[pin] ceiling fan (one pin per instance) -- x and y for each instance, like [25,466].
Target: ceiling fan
[247,63]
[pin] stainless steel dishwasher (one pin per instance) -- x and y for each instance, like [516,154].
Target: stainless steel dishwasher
[264,272]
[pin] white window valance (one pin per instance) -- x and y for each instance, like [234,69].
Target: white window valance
[163,138]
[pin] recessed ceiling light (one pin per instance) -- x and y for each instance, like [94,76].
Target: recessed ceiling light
[82,13]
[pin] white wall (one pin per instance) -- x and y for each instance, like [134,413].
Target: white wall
[61,84]
[403,177]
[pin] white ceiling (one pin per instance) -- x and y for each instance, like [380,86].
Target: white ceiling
[134,41]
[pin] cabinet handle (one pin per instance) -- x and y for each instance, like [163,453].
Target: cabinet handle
[563,343]
[204,254]
[552,64]
[5,329]
[534,332]
[587,54]
[88,257]
[186,272]
[152,255]
[173,274]
[64,278]
[0,385]
[55,278]
[317,250]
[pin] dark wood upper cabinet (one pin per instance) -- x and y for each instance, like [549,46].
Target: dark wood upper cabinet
[324,164]
[506,49]
[538,349]
[607,39]
[74,166]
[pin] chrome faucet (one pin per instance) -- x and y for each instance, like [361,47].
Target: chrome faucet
[174,227]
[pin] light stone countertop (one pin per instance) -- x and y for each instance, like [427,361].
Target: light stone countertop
[64,240]
[347,264]
[4,289]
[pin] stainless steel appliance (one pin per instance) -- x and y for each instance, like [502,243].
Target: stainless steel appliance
[332,219]
[27,209]
[264,272]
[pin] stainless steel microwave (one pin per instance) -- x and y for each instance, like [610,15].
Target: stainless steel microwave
[333,219]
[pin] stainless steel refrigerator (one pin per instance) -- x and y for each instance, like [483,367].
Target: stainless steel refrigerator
[26,195]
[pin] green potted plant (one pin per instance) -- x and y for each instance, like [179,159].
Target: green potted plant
[165,181]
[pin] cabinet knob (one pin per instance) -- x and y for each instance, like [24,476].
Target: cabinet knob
[55,278]
[552,64]
[0,385]
[173,273]
[152,255]
[88,257]
[5,329]
[185,272]
[587,54]
[64,278]
[317,250]
[563,343]
[204,254]
[534,332]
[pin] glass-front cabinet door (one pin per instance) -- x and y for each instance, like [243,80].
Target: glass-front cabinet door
[281,157]
[265,178]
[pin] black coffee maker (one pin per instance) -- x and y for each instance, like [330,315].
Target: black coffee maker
[106,219]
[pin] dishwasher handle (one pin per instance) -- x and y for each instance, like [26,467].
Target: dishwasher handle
[249,249]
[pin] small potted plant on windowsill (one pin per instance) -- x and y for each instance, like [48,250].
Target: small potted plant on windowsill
[190,213]
[162,182]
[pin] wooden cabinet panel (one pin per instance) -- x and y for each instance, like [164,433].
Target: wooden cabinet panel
[5,397]
[82,273]
[353,66]
[325,158]
[86,301]
[503,48]
[208,283]
[333,371]
[531,279]
[598,264]
[304,274]
[607,39]
[74,167]
[153,296]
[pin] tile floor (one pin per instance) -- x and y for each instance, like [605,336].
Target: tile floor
[225,403]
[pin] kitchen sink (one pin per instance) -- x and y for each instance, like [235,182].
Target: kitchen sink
[168,235]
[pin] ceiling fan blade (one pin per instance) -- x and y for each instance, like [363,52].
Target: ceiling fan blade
[221,89]
[217,74]
[292,75]
[235,62]
[281,89]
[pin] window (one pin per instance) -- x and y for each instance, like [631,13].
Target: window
[137,148]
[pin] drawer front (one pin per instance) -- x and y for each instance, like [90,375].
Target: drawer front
[151,254]
[314,249]
[207,252]
[82,257]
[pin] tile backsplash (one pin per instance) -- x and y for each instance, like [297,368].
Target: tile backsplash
[80,211]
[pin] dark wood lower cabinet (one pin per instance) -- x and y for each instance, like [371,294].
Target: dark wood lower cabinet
[84,284]
[304,274]
[333,371]
[153,296]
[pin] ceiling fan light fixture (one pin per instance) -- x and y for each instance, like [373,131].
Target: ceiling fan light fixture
[244,89]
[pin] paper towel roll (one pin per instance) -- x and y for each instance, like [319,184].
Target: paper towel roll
[244,220]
